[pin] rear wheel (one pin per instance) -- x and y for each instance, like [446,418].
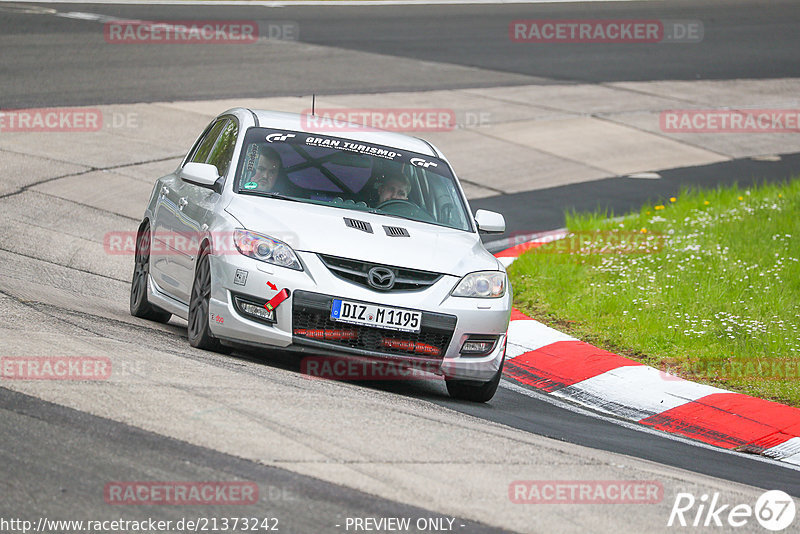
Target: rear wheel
[200,335]
[139,305]
[472,391]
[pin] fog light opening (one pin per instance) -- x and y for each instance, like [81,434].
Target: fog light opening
[478,346]
[253,310]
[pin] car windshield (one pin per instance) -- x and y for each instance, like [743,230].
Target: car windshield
[342,173]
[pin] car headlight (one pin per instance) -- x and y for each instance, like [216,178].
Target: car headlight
[267,249]
[484,284]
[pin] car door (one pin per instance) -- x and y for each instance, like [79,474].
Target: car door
[170,257]
[199,202]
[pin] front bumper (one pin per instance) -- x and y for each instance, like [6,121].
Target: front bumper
[446,324]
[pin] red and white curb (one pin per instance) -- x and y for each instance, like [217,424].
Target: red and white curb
[553,362]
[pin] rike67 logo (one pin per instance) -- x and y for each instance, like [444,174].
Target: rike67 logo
[774,510]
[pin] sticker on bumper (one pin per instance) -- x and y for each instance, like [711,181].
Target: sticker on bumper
[240,278]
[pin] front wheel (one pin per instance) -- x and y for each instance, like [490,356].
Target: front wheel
[200,335]
[472,391]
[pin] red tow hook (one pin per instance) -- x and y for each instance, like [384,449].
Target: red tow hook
[273,303]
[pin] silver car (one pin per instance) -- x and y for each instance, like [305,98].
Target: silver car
[348,243]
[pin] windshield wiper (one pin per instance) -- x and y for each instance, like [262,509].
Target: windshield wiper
[376,211]
[270,194]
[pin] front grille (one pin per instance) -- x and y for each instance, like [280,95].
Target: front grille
[312,326]
[356,271]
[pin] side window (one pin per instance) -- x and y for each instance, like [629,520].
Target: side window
[222,152]
[203,148]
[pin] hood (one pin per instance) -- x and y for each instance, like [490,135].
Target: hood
[322,229]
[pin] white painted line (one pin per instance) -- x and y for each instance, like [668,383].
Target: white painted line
[549,399]
[79,15]
[766,157]
[26,9]
[795,460]
[96,17]
[645,175]
[525,335]
[635,392]
[788,451]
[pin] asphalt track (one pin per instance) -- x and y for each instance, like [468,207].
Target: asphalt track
[37,486]
[56,61]
[50,60]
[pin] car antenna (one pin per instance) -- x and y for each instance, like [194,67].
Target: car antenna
[313,102]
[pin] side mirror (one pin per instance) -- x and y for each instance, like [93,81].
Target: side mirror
[203,174]
[490,222]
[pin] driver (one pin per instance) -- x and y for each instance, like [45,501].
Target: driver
[268,173]
[395,187]
[268,169]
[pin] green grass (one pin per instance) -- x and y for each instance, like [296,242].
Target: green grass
[706,286]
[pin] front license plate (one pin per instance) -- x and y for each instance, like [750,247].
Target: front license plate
[374,315]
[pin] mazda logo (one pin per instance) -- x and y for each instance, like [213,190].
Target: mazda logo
[381,278]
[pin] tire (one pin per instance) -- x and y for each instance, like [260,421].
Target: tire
[475,391]
[139,305]
[200,335]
